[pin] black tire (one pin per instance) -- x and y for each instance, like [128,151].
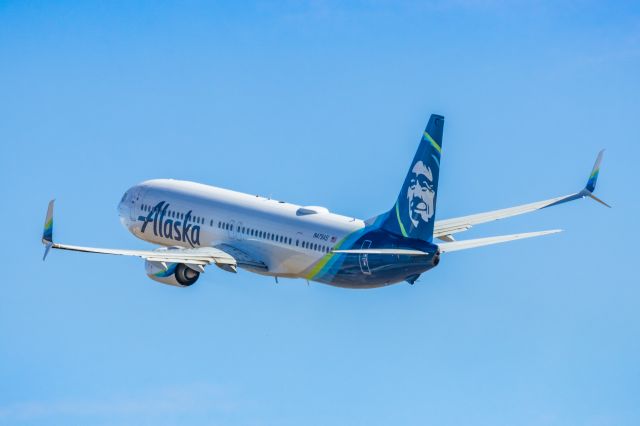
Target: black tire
[186,276]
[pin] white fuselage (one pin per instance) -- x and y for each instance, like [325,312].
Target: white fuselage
[287,238]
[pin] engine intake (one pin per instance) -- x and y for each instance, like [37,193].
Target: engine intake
[176,274]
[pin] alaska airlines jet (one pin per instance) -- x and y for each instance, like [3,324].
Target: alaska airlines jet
[197,225]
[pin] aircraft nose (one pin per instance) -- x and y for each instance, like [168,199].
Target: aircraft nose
[123,204]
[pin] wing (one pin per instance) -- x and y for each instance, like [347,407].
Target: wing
[195,258]
[444,229]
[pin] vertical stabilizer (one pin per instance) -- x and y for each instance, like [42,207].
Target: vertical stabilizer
[413,214]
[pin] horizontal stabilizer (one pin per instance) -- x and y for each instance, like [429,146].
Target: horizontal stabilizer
[468,244]
[384,251]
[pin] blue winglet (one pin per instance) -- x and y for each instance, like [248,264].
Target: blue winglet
[593,179]
[47,233]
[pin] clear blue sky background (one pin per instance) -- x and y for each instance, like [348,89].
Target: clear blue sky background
[321,102]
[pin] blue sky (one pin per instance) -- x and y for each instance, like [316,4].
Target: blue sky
[321,103]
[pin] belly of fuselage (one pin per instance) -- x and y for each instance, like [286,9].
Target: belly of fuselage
[374,270]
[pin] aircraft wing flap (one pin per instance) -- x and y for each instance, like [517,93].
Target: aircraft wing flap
[243,258]
[443,231]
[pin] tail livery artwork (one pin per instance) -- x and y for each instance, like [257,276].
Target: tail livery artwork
[197,225]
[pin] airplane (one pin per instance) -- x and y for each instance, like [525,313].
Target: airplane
[196,225]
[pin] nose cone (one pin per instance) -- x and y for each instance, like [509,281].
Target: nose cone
[122,204]
[125,207]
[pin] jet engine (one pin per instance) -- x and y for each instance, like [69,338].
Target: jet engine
[177,274]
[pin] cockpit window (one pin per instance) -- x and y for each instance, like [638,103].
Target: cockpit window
[124,196]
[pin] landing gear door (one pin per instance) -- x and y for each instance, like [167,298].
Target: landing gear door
[364,258]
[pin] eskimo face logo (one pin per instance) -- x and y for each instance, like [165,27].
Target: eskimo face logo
[179,230]
[420,194]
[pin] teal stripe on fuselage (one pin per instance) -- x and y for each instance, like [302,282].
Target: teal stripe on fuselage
[334,264]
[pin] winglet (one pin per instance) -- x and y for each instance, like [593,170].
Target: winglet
[593,179]
[47,233]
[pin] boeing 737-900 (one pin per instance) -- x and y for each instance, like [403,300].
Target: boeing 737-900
[197,225]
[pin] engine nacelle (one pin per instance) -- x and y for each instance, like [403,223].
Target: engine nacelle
[177,274]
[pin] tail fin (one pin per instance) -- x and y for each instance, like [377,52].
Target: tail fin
[413,215]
